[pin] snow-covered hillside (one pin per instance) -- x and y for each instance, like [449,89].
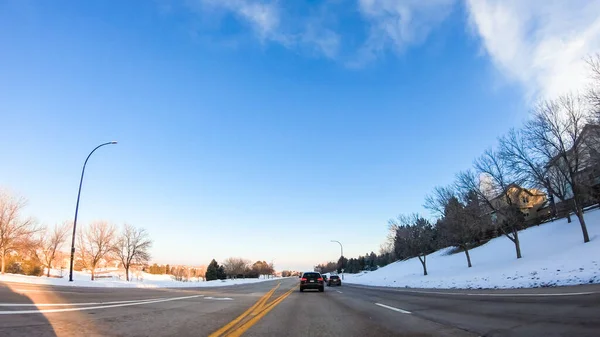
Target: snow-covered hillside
[112,280]
[553,254]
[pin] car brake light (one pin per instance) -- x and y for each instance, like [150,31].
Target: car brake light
[320,279]
[303,279]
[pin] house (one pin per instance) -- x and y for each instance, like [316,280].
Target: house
[584,158]
[529,201]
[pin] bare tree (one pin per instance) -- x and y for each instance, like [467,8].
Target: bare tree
[94,243]
[15,231]
[491,182]
[235,266]
[461,222]
[200,272]
[530,165]
[132,246]
[438,200]
[593,93]
[50,243]
[556,132]
[415,236]
[387,247]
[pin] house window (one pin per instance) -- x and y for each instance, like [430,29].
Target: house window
[525,200]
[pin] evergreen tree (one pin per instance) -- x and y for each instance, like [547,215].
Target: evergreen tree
[372,261]
[212,271]
[361,263]
[221,275]
[342,263]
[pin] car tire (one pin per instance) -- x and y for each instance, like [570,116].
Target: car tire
[322,289]
[301,289]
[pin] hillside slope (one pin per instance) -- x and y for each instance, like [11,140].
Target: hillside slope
[553,254]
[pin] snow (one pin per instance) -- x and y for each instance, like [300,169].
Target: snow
[553,255]
[113,279]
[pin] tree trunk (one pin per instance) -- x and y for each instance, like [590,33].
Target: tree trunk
[568,217]
[48,274]
[579,213]
[3,269]
[92,274]
[127,273]
[468,257]
[517,243]
[424,263]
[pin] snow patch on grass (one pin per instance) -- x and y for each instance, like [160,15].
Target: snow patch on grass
[113,279]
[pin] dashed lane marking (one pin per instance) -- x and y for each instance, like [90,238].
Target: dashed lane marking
[392,308]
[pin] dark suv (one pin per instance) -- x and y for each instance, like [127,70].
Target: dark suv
[312,280]
[334,280]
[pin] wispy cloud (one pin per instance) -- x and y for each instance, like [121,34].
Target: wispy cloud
[540,44]
[394,25]
[537,43]
[390,24]
[272,23]
[263,16]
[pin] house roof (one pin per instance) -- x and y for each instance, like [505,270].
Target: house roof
[531,191]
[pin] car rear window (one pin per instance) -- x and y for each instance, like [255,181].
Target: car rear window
[334,277]
[311,275]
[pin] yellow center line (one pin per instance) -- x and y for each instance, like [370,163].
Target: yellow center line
[264,300]
[244,327]
[256,305]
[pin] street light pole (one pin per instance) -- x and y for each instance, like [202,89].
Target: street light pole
[77,208]
[342,257]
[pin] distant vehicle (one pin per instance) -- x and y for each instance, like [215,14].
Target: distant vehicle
[324,278]
[312,280]
[334,280]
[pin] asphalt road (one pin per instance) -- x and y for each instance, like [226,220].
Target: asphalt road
[277,308]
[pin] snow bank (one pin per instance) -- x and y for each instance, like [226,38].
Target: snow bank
[553,255]
[114,279]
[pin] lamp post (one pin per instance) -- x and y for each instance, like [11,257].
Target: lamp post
[77,208]
[342,256]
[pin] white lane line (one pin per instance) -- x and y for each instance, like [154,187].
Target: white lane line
[475,294]
[522,295]
[74,304]
[219,298]
[392,308]
[339,292]
[20,312]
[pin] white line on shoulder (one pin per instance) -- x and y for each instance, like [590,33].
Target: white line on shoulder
[20,312]
[73,304]
[481,294]
[392,308]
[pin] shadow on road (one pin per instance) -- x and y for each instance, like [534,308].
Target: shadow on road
[13,323]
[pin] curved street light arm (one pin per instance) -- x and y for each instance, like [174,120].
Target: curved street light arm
[77,208]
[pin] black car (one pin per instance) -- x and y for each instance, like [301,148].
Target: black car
[312,280]
[334,280]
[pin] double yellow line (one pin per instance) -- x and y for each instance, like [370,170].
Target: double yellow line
[251,316]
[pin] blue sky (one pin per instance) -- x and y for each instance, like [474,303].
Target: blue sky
[264,129]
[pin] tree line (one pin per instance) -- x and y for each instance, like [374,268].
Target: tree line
[556,153]
[27,247]
[367,262]
[237,267]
